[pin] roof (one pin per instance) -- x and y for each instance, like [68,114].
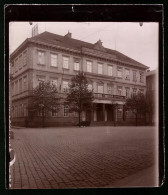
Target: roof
[54,39]
[150,73]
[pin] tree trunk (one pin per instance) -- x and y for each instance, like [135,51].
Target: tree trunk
[136,118]
[43,123]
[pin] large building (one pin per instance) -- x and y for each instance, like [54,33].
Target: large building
[50,57]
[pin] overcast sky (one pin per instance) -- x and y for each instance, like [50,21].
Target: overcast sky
[131,39]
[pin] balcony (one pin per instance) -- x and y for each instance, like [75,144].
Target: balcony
[108,96]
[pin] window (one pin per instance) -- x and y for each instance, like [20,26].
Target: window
[25,83]
[25,110]
[24,58]
[109,90]
[11,69]
[20,61]
[12,90]
[54,60]
[119,90]
[134,92]
[100,68]
[54,82]
[65,86]
[110,71]
[127,92]
[76,66]
[54,111]
[141,91]
[100,88]
[119,72]
[40,57]
[127,74]
[16,65]
[134,76]
[89,66]
[16,113]
[65,62]
[20,85]
[66,111]
[16,87]
[141,77]
[90,87]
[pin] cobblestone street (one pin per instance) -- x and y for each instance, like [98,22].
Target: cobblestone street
[81,157]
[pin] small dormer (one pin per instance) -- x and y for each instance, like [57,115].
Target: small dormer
[68,35]
[98,45]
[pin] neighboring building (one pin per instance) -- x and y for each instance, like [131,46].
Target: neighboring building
[151,84]
[112,75]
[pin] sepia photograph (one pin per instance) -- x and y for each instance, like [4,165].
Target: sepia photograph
[83,104]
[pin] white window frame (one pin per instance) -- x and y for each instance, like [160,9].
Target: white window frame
[134,76]
[54,82]
[65,86]
[65,62]
[89,66]
[20,59]
[110,70]
[100,68]
[20,85]
[109,89]
[66,111]
[119,72]
[41,57]
[127,74]
[141,77]
[54,112]
[16,65]
[127,94]
[100,87]
[119,90]
[54,60]
[90,87]
[76,65]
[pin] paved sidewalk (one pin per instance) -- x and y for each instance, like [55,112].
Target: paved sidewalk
[84,157]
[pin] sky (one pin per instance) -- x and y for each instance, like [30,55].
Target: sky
[137,42]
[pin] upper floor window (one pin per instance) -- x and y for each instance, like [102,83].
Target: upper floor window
[127,74]
[65,86]
[16,87]
[12,90]
[134,76]
[25,83]
[41,57]
[54,82]
[76,65]
[89,66]
[20,85]
[100,88]
[100,68]
[54,60]
[141,74]
[16,65]
[119,72]
[110,71]
[20,61]
[66,62]
[109,89]
[127,92]
[90,87]
[119,90]
[24,58]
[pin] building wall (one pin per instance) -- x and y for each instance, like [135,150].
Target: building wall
[33,71]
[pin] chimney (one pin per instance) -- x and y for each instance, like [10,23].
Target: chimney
[99,43]
[68,35]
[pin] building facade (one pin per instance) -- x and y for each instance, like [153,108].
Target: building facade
[152,94]
[50,57]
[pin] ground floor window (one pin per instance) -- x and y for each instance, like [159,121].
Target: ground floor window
[40,112]
[66,111]
[54,111]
